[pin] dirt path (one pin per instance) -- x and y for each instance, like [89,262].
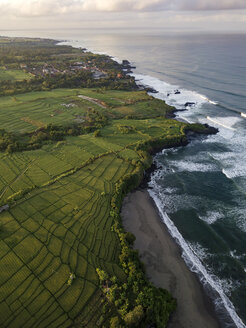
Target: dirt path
[93,100]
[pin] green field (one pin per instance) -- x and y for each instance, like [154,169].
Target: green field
[62,225]
[13,75]
[27,112]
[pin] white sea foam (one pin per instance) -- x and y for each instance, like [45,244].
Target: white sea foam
[235,256]
[202,253]
[210,101]
[191,165]
[239,215]
[233,162]
[167,91]
[221,301]
[170,191]
[173,200]
[211,217]
[225,122]
[199,162]
[234,171]
[228,174]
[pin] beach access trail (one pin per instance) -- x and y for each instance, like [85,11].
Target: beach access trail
[164,264]
[93,100]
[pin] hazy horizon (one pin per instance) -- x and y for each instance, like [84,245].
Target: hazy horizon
[188,15]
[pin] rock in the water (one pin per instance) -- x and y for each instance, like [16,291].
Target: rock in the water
[189,104]
[125,62]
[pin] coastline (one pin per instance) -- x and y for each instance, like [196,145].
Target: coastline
[164,264]
[194,307]
[162,272]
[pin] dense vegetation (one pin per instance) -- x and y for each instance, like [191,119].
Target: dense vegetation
[41,65]
[12,142]
[67,159]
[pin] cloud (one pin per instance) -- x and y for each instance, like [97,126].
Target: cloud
[156,5]
[56,7]
[209,4]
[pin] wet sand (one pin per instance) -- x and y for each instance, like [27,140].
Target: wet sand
[164,264]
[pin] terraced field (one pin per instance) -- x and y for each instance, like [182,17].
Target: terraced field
[62,225]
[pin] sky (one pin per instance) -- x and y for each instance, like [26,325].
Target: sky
[190,15]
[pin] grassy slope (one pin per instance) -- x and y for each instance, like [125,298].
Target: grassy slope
[65,226]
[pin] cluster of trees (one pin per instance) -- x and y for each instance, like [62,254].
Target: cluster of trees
[11,142]
[105,62]
[81,79]
[125,129]
[137,302]
[7,139]
[17,50]
[155,144]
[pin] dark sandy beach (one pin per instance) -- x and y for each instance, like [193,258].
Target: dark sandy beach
[164,265]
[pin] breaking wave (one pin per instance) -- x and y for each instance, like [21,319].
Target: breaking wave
[172,94]
[223,306]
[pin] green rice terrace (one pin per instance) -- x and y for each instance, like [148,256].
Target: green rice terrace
[67,158]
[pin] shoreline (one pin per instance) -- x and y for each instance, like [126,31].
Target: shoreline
[164,265]
[169,273]
[199,310]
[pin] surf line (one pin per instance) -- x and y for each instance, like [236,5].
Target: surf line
[208,100]
[221,301]
[216,122]
[243,115]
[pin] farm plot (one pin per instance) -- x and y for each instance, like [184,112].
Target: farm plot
[13,75]
[56,230]
[114,98]
[27,112]
[62,225]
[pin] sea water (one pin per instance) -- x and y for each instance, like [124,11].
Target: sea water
[200,189]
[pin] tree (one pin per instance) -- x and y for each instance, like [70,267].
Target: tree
[134,317]
[97,133]
[102,275]
[115,323]
[130,238]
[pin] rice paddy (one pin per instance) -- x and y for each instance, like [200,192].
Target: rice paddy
[62,225]
[13,75]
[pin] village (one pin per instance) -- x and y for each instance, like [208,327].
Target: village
[53,69]
[86,63]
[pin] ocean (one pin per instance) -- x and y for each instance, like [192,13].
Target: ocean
[200,189]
